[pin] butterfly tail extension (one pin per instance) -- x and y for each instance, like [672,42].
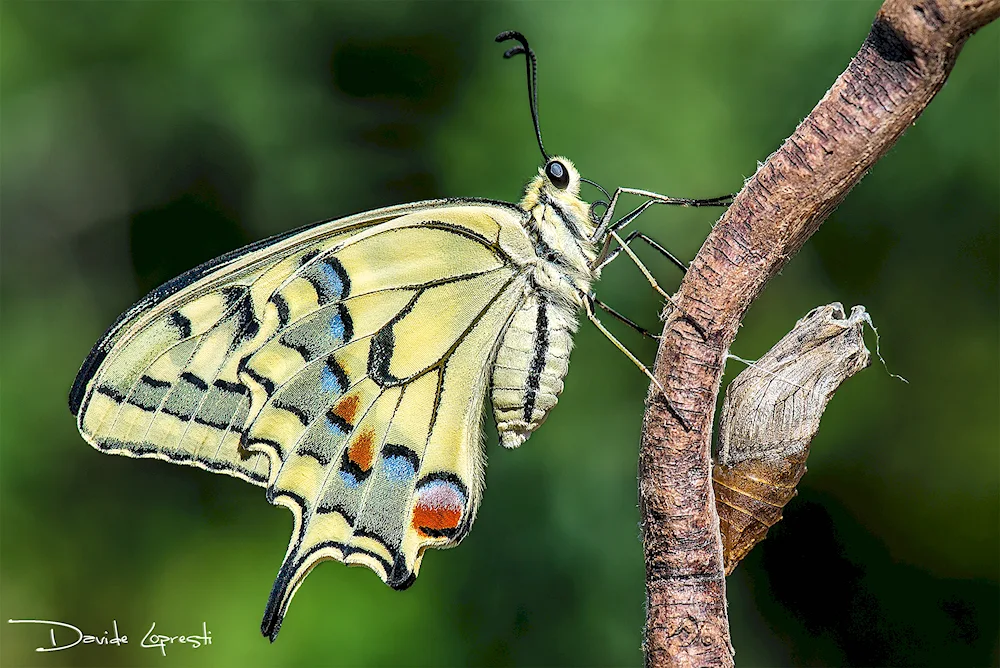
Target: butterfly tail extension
[291,574]
[314,543]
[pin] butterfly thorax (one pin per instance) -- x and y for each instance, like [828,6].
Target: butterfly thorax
[560,227]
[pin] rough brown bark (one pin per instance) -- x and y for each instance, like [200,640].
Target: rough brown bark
[902,64]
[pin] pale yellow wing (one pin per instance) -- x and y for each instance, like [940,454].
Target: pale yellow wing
[342,367]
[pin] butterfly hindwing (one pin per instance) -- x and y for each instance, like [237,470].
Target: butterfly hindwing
[343,368]
[394,465]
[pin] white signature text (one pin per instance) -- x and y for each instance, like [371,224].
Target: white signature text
[66,636]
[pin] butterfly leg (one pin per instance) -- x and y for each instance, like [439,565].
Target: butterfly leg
[624,246]
[603,256]
[608,231]
[618,316]
[651,198]
[588,303]
[645,272]
[652,243]
[652,281]
[606,258]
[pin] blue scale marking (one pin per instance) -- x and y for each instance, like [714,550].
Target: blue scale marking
[335,429]
[330,381]
[337,328]
[336,285]
[349,480]
[398,469]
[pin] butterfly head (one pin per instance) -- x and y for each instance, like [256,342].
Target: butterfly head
[558,185]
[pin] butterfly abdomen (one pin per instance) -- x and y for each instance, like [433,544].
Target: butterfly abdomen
[533,358]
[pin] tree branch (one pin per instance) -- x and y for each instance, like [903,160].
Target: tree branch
[902,64]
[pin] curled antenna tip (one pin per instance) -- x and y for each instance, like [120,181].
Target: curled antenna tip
[532,66]
[512,34]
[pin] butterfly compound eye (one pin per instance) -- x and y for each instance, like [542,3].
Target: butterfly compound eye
[558,174]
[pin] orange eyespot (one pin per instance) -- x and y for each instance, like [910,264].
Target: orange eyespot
[439,507]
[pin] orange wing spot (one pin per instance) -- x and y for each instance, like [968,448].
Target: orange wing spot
[347,408]
[362,451]
[439,508]
[427,519]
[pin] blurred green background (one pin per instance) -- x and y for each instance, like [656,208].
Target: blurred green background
[139,139]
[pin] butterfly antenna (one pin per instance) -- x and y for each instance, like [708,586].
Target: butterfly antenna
[532,66]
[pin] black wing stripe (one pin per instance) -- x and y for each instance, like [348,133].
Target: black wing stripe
[182,323]
[194,380]
[263,381]
[282,306]
[235,388]
[303,417]
[153,382]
